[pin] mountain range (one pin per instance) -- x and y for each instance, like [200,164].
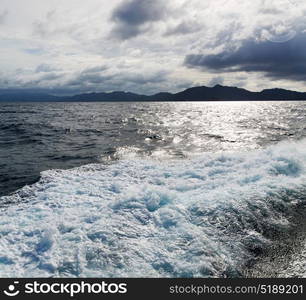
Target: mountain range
[202,93]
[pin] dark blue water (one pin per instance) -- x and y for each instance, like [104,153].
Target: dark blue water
[152,189]
[41,136]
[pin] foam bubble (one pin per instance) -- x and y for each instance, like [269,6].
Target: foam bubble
[200,217]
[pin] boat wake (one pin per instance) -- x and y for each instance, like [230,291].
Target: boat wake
[200,217]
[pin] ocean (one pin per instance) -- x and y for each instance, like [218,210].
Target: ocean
[152,189]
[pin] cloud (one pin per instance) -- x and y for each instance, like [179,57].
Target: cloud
[216,80]
[92,76]
[98,79]
[95,69]
[44,68]
[104,45]
[133,81]
[34,51]
[276,60]
[44,80]
[133,17]
[3,16]
[184,27]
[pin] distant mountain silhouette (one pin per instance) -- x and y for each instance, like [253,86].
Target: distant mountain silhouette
[202,93]
[25,95]
[114,96]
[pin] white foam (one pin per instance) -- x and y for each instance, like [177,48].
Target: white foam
[138,217]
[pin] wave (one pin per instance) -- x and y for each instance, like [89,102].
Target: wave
[200,217]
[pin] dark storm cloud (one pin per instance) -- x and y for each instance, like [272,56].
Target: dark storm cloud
[132,16]
[276,60]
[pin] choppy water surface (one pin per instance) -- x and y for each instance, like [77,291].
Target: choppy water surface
[173,189]
[42,136]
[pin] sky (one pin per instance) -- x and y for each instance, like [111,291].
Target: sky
[150,46]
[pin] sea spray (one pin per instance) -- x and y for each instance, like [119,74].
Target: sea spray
[200,217]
